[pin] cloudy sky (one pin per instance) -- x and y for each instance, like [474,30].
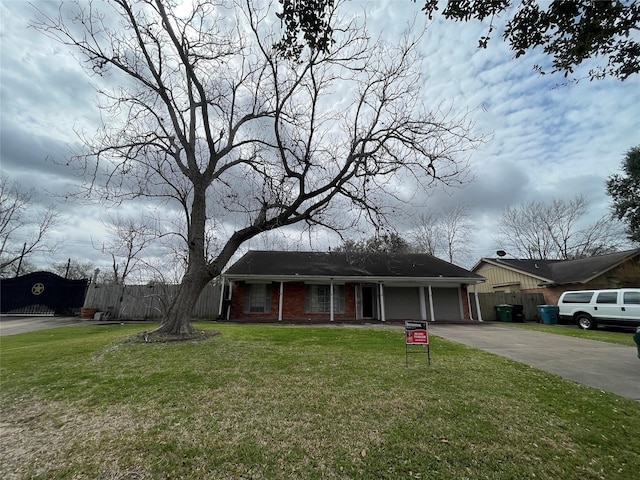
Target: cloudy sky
[546,138]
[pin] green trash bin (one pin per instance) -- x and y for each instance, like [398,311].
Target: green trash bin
[549,314]
[504,313]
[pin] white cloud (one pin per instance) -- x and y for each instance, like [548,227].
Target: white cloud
[547,141]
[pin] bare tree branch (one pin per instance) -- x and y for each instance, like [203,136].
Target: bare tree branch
[208,115]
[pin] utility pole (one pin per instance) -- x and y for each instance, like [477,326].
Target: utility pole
[24,248]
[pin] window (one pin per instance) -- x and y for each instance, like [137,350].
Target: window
[257,298]
[317,299]
[607,297]
[578,297]
[631,298]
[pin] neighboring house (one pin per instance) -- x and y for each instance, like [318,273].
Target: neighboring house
[314,286]
[552,277]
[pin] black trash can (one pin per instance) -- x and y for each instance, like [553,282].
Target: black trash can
[503,313]
[517,313]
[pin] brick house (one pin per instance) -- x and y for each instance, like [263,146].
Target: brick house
[317,287]
[553,277]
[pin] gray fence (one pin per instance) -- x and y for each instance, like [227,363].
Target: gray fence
[147,302]
[529,302]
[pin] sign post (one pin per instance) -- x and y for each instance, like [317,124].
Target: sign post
[416,333]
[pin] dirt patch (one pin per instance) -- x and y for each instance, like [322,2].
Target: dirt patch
[40,437]
[151,337]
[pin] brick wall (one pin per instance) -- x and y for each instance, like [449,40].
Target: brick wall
[292,305]
[466,314]
[552,293]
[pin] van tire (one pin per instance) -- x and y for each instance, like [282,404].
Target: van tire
[585,321]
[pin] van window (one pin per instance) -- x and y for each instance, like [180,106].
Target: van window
[577,297]
[631,298]
[607,297]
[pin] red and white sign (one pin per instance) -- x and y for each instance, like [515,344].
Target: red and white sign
[416,333]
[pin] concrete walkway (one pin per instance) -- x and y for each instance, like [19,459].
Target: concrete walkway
[606,366]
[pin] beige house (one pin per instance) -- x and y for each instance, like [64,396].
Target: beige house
[552,277]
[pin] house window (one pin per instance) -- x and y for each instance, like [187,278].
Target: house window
[317,299]
[257,298]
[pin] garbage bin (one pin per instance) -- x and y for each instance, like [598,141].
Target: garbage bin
[549,314]
[636,338]
[503,313]
[517,313]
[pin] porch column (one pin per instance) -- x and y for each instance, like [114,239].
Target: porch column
[423,303]
[475,294]
[382,314]
[229,298]
[280,298]
[331,301]
[221,297]
[433,317]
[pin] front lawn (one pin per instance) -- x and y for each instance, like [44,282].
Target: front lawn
[283,402]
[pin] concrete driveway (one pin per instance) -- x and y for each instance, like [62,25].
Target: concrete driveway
[606,366]
[10,325]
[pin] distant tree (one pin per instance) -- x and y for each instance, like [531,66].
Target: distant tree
[426,235]
[74,270]
[624,191]
[126,241]
[24,227]
[385,243]
[207,117]
[555,230]
[445,233]
[570,32]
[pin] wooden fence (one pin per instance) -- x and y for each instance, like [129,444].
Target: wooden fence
[147,302]
[529,301]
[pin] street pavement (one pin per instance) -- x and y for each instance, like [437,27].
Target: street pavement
[606,366]
[10,325]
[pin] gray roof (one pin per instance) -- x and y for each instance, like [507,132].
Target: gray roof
[338,264]
[564,272]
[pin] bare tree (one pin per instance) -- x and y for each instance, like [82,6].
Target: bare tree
[425,235]
[206,115]
[73,269]
[457,230]
[23,227]
[128,238]
[556,231]
[445,233]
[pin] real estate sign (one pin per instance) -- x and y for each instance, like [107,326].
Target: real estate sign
[416,333]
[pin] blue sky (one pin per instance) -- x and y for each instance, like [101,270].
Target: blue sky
[546,138]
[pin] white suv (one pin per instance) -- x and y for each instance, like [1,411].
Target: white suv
[588,308]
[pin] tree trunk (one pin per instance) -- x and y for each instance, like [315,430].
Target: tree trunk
[178,320]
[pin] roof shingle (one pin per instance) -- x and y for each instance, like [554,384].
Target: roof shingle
[340,264]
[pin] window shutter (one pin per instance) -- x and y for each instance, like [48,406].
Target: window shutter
[267,298]
[307,298]
[247,298]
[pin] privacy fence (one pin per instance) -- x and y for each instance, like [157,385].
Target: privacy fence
[529,302]
[147,302]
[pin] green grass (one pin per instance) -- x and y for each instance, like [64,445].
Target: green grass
[621,336]
[277,402]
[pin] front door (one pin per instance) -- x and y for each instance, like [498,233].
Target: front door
[368,301]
